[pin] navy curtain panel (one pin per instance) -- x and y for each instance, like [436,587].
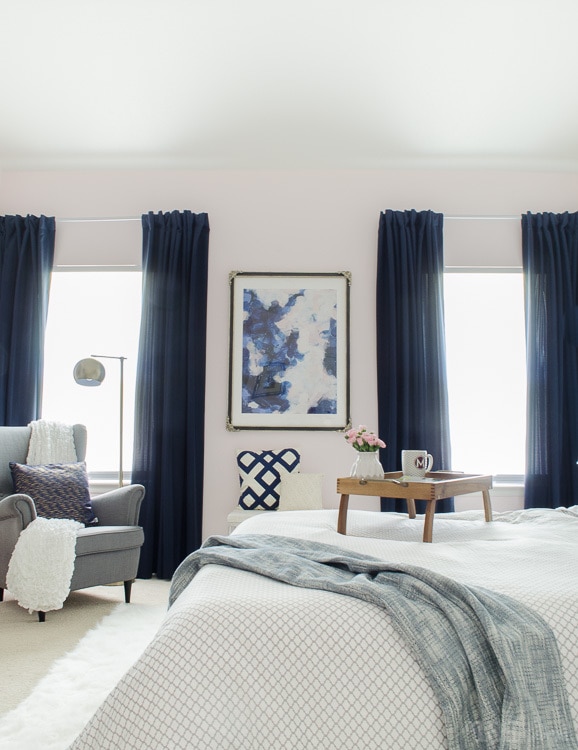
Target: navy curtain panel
[26,260]
[550,263]
[170,388]
[411,366]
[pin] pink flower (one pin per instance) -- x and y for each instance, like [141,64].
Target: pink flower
[363,440]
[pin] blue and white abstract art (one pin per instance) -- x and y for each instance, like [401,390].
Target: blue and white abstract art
[289,351]
[291,348]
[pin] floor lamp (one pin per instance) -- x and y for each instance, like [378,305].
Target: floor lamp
[91,372]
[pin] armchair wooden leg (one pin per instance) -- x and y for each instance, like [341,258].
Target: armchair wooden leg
[41,616]
[1,595]
[127,588]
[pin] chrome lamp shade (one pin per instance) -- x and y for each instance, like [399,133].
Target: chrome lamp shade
[89,372]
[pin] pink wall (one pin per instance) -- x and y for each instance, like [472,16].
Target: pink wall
[291,221]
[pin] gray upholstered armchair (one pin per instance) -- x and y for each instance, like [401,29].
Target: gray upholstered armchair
[107,552]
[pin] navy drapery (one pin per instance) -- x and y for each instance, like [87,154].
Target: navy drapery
[170,388]
[411,367]
[550,262]
[26,259]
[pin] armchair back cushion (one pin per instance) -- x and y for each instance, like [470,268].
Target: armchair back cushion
[14,442]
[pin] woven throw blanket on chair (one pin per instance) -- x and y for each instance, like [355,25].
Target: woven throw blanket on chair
[51,443]
[42,564]
[492,661]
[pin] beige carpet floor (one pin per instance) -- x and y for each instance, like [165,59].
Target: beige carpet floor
[29,648]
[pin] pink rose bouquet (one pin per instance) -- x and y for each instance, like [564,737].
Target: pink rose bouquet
[364,440]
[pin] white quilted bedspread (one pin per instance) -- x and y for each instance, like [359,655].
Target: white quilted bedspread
[242,661]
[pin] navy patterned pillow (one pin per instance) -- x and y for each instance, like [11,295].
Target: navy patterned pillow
[260,475]
[58,490]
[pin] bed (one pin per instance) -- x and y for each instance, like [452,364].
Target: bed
[246,661]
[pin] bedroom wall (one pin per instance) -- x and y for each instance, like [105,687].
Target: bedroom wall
[288,221]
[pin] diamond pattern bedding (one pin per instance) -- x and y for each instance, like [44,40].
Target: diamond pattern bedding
[243,661]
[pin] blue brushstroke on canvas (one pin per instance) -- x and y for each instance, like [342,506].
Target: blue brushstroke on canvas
[289,351]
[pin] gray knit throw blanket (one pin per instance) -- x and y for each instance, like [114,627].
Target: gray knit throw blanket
[493,663]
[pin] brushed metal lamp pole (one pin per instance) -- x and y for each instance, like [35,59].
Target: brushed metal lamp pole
[91,372]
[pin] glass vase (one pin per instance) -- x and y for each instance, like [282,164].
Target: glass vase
[367,466]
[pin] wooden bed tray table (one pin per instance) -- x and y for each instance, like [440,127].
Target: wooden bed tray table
[437,485]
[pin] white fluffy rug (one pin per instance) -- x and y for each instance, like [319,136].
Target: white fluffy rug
[65,699]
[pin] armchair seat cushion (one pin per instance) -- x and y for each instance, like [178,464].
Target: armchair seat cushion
[96,539]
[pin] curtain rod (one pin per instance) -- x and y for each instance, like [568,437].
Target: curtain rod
[97,219]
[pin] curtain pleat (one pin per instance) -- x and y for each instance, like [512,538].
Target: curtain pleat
[26,260]
[411,366]
[550,263]
[170,388]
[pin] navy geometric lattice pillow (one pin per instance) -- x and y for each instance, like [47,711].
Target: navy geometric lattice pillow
[260,475]
[58,490]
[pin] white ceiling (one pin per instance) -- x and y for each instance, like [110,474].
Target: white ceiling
[288,84]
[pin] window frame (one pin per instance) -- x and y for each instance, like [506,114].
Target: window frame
[500,478]
[98,476]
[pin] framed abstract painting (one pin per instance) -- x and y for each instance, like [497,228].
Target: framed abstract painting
[289,351]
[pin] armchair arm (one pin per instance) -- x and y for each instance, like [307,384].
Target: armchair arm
[120,507]
[20,507]
[16,512]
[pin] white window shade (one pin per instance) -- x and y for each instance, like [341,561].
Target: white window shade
[474,241]
[94,243]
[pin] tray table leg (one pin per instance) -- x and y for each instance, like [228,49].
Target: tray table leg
[429,519]
[487,505]
[410,507]
[342,517]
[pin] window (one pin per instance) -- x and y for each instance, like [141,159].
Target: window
[486,362]
[93,312]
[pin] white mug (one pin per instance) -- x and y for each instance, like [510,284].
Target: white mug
[416,464]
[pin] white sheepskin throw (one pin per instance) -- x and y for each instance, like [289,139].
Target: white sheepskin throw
[51,443]
[42,564]
[64,700]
